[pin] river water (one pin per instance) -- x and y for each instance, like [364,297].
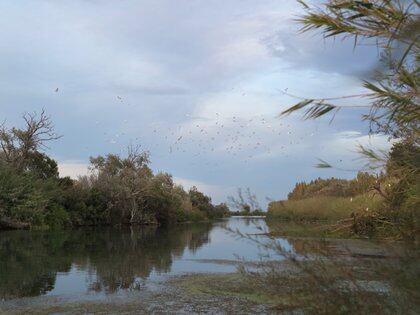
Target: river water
[99,261]
[96,264]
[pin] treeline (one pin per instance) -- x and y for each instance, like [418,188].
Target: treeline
[119,189]
[335,187]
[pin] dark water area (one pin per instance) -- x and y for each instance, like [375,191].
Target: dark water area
[101,261]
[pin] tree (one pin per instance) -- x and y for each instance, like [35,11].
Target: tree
[20,147]
[162,199]
[125,182]
[201,202]
[403,167]
[221,210]
[31,192]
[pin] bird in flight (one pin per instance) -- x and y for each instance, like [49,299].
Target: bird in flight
[56,90]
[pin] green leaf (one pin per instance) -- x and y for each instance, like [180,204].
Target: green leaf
[296,107]
[323,164]
[303,4]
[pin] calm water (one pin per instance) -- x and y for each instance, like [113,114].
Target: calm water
[99,262]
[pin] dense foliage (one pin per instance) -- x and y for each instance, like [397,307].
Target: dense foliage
[119,190]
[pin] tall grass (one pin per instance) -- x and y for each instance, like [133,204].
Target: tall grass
[323,208]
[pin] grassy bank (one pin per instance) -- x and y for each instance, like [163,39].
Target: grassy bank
[323,208]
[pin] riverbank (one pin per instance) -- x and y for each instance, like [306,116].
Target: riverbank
[323,208]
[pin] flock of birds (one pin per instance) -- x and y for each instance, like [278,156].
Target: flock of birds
[244,139]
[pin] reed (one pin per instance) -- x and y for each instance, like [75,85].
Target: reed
[323,208]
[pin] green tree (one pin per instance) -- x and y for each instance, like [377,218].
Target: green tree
[21,147]
[162,200]
[202,202]
[124,181]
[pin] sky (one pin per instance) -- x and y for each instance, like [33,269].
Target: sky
[199,84]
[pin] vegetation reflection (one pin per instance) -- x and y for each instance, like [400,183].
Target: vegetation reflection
[114,259]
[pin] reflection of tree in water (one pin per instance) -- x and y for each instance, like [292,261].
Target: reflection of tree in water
[29,261]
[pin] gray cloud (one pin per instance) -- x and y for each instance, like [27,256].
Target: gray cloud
[310,50]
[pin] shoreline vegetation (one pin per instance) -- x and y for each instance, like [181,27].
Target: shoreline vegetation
[120,190]
[333,205]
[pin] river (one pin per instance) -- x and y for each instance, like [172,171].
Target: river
[101,264]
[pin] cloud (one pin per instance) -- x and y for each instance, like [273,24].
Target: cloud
[349,141]
[309,51]
[73,169]
[149,72]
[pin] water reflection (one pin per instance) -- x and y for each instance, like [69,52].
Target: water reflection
[113,259]
[98,262]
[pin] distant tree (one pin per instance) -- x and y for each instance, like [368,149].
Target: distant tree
[125,183]
[162,199]
[21,147]
[41,165]
[245,202]
[201,202]
[221,210]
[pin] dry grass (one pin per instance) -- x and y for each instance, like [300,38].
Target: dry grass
[324,208]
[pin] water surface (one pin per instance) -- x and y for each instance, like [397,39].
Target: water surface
[104,263]
[97,262]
